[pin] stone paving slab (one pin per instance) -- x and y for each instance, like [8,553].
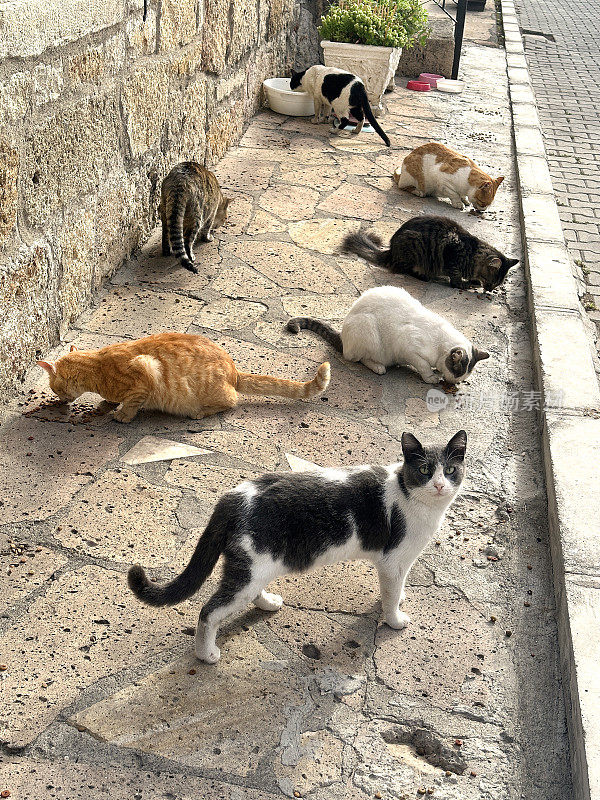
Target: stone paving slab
[319,700]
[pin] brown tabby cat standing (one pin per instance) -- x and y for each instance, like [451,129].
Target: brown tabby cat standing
[191,202]
[434,169]
[178,373]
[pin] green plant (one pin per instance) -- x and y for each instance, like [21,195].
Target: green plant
[386,23]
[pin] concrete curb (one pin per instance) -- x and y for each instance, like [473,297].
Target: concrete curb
[570,419]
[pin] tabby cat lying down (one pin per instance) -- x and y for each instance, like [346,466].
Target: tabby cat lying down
[178,373]
[279,524]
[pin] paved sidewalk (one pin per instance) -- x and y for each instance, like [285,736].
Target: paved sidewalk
[103,695]
[562,47]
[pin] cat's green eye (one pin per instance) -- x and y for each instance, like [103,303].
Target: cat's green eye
[449,470]
[424,470]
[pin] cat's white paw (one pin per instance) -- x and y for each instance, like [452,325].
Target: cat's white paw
[314,120]
[458,205]
[268,602]
[402,598]
[433,378]
[210,656]
[397,620]
[418,193]
[374,366]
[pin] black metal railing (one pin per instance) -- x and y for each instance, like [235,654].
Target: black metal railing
[459,28]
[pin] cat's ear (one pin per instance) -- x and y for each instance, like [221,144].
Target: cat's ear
[479,355]
[411,446]
[72,349]
[498,181]
[457,354]
[49,366]
[457,446]
[510,262]
[495,262]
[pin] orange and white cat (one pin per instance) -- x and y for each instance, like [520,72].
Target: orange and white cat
[178,373]
[434,169]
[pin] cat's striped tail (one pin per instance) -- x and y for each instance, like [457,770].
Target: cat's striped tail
[368,246]
[175,211]
[207,552]
[328,333]
[279,387]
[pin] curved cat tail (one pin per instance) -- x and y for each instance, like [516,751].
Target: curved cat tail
[368,246]
[279,387]
[202,563]
[370,116]
[175,216]
[328,333]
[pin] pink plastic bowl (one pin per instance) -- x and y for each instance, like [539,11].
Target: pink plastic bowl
[418,86]
[430,78]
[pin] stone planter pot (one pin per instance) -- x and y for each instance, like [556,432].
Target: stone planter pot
[376,66]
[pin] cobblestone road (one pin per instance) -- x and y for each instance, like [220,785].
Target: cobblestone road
[563,53]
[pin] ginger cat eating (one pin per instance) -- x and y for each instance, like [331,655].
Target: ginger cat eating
[434,169]
[178,373]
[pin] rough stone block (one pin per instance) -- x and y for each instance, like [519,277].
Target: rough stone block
[244,32]
[279,16]
[141,36]
[118,216]
[145,101]
[177,23]
[191,139]
[216,21]
[77,248]
[227,86]
[9,170]
[95,64]
[28,309]
[24,90]
[224,129]
[67,154]
[435,55]
[30,28]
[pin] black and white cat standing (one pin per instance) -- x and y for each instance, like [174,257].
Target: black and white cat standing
[333,88]
[294,522]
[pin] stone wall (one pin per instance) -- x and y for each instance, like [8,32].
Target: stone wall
[96,105]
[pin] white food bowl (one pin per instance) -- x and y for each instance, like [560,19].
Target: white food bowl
[285,101]
[446,85]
